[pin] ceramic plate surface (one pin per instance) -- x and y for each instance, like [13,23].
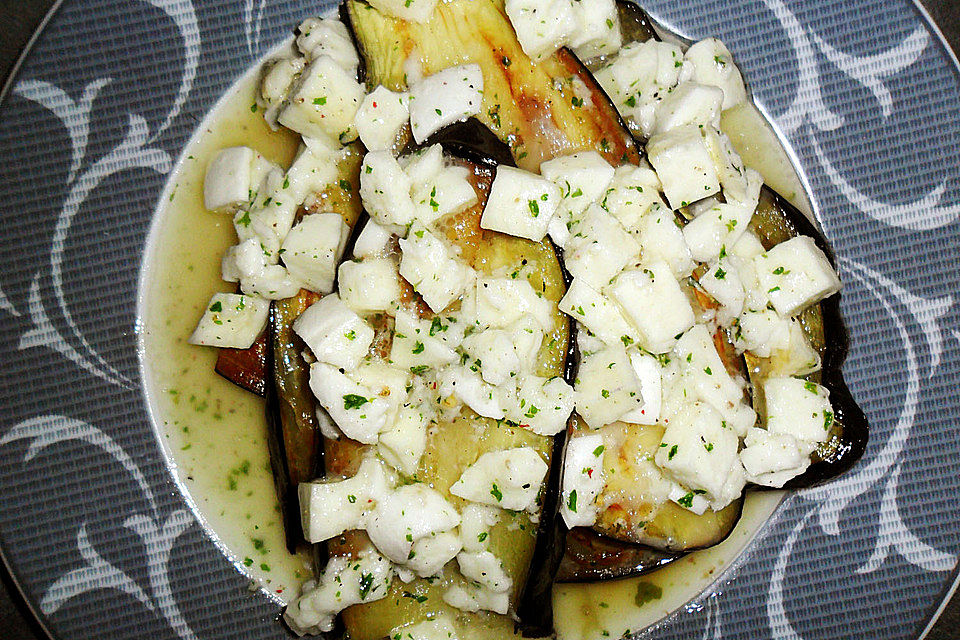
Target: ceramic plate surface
[92,524]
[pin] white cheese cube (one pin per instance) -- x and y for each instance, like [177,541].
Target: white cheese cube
[701,454]
[599,248]
[328,508]
[798,408]
[684,165]
[509,479]
[485,569]
[520,204]
[661,239]
[503,301]
[653,302]
[448,192]
[740,185]
[796,274]
[747,247]
[334,333]
[705,377]
[408,514]
[470,597]
[633,192]
[233,176]
[327,36]
[323,102]
[429,555]
[423,165]
[277,77]
[541,27]
[385,189]
[718,227]
[638,79]
[429,267]
[722,282]
[798,357]
[443,98]
[440,628]
[581,177]
[583,480]
[761,332]
[344,582]
[402,445]
[598,29]
[709,62]
[412,10]
[380,117]
[607,387]
[374,240]
[387,382]
[312,250]
[599,315]
[690,103]
[475,524]
[414,348]
[647,369]
[771,459]
[527,336]
[357,409]
[231,320]
[544,405]
[272,282]
[494,349]
[371,284]
[467,386]
[690,500]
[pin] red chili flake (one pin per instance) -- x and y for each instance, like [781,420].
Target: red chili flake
[374,105]
[590,473]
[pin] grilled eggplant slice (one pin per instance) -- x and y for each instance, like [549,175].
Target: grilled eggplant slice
[775,221]
[457,443]
[246,368]
[541,111]
[293,428]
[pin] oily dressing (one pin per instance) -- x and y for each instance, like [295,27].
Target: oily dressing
[214,434]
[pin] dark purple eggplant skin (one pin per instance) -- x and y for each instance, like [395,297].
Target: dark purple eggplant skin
[246,368]
[854,428]
[590,557]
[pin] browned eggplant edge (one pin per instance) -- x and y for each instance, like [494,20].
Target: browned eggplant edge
[836,339]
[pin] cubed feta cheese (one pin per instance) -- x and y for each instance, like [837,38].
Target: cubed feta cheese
[312,250]
[423,165]
[599,248]
[503,301]
[543,405]
[581,177]
[718,227]
[509,479]
[661,238]
[380,117]
[373,241]
[413,10]
[470,597]
[327,36]
[633,192]
[485,569]
[647,369]
[233,177]
[330,507]
[761,332]
[520,204]
[771,459]
[709,62]
[360,413]
[722,282]
[541,26]
[371,284]
[796,274]
[684,165]
[799,408]
[402,445]
[429,555]
[334,333]
[231,320]
[465,384]
[740,185]
[598,29]
[607,387]
[323,102]
[385,189]
[277,77]
[599,315]
[408,514]
[439,628]
[446,193]
[690,103]
[427,264]
[583,480]
[651,299]
[798,358]
[494,349]
[414,348]
[475,524]
[701,454]
[443,98]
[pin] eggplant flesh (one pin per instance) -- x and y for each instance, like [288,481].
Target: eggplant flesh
[456,443]
[539,110]
[246,368]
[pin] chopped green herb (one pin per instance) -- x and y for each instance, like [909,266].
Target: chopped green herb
[353,401]
[496,493]
[572,501]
